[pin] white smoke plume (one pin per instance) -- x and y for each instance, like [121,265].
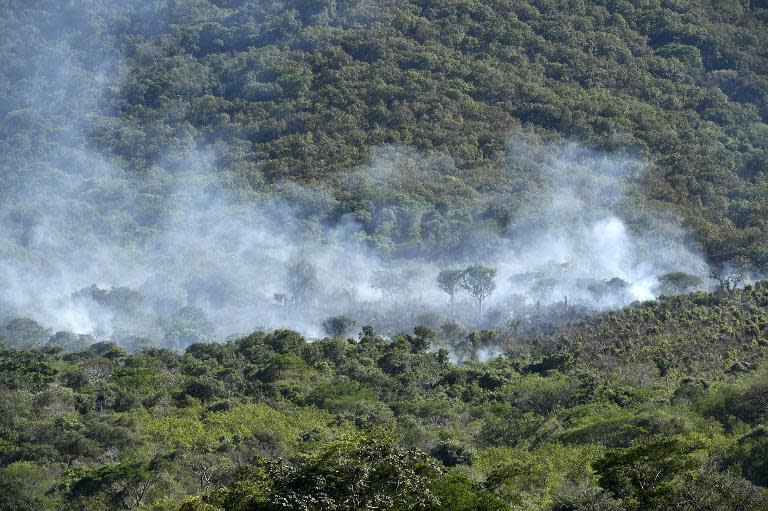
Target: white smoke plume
[184,251]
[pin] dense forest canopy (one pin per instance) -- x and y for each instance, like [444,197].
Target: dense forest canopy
[197,152]
[658,407]
[304,91]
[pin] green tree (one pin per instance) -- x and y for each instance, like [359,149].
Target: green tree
[479,281]
[450,282]
[647,475]
[347,475]
[127,485]
[338,326]
[678,282]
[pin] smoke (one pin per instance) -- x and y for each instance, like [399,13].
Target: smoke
[586,238]
[186,251]
[196,239]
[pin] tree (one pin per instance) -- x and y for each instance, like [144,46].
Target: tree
[390,282]
[127,485]
[479,281]
[338,326]
[25,486]
[25,332]
[280,299]
[452,331]
[678,282]
[711,490]
[458,493]
[302,280]
[424,337]
[617,287]
[450,282]
[347,475]
[728,279]
[647,475]
[452,452]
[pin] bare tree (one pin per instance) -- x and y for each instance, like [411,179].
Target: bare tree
[728,280]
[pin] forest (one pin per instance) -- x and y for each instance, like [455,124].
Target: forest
[384,255]
[659,406]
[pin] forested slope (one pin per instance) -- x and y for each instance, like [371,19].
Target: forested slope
[304,90]
[474,199]
[272,422]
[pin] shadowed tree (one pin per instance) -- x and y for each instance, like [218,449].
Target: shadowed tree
[479,281]
[302,280]
[25,332]
[452,331]
[618,288]
[391,283]
[338,326]
[450,282]
[678,282]
[728,279]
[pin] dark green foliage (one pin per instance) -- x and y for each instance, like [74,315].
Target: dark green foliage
[338,326]
[750,456]
[291,90]
[452,453]
[25,370]
[369,473]
[648,474]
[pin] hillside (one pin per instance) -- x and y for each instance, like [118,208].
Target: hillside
[304,91]
[270,421]
[407,255]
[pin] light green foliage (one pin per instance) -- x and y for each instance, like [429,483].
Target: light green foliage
[529,479]
[261,419]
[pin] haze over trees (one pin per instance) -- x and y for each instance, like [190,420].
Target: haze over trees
[229,229]
[302,280]
[272,421]
[338,326]
[450,282]
[479,281]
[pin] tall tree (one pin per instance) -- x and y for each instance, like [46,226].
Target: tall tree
[450,282]
[391,283]
[479,281]
[302,280]
[678,282]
